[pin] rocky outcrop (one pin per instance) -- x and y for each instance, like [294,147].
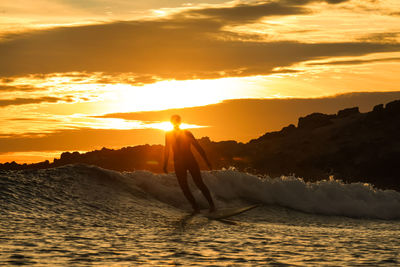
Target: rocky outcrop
[351,146]
[348,112]
[314,120]
[393,107]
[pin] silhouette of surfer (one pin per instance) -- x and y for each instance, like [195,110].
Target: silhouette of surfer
[180,141]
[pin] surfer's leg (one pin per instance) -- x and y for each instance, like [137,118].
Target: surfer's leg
[196,175]
[181,174]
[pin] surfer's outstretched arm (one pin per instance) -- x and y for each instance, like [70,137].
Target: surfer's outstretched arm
[167,148]
[199,149]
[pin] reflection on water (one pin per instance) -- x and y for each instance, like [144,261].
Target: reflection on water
[79,215]
[262,236]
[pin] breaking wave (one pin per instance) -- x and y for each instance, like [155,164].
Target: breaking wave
[85,188]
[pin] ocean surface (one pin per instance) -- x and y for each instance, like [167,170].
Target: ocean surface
[80,215]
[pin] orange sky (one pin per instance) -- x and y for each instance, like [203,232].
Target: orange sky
[67,67]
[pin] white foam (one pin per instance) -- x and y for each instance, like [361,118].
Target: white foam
[331,197]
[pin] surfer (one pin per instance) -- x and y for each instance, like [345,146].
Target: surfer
[180,141]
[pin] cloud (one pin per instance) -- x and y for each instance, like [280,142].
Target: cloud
[355,62]
[126,78]
[336,1]
[189,45]
[251,12]
[25,101]
[246,13]
[6,80]
[15,88]
[382,37]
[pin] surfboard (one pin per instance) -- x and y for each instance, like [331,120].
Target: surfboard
[220,214]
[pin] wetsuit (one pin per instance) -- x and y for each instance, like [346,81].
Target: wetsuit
[184,160]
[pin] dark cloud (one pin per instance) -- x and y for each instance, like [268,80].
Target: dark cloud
[247,13]
[355,62]
[25,101]
[32,119]
[6,80]
[381,37]
[305,2]
[336,1]
[126,78]
[14,88]
[192,44]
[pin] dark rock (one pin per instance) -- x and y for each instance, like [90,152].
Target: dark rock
[393,107]
[269,136]
[314,120]
[378,108]
[348,112]
[65,155]
[288,129]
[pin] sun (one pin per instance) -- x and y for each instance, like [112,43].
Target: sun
[167,126]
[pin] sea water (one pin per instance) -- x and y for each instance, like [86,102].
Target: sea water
[83,215]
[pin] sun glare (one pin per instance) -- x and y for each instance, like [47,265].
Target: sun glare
[169,94]
[167,126]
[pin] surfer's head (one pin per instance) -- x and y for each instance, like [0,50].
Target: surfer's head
[176,120]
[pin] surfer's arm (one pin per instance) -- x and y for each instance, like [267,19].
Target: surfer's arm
[166,153]
[199,149]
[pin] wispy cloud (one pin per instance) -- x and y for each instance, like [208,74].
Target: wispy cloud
[382,37]
[355,61]
[245,13]
[20,87]
[26,101]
